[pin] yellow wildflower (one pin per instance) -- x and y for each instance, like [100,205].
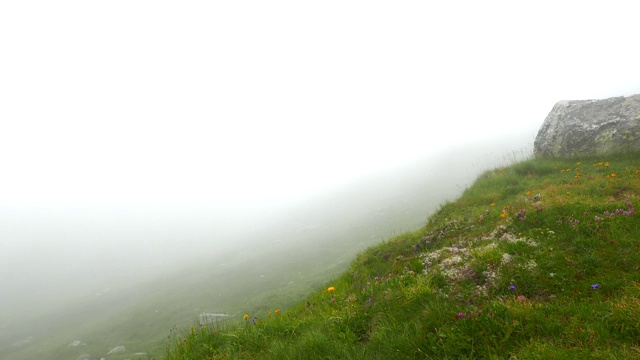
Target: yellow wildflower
[528,192]
[503,214]
[494,204]
[277,311]
[331,289]
[613,175]
[246,316]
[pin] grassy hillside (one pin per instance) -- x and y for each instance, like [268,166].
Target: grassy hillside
[271,263]
[537,260]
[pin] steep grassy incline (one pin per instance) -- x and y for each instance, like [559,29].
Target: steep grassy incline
[537,260]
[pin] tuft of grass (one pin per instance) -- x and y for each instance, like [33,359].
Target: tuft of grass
[536,260]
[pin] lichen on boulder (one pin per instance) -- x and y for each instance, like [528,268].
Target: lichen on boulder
[590,127]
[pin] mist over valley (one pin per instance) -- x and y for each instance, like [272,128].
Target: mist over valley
[103,275]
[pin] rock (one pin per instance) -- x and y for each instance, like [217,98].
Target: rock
[117,349]
[76,343]
[590,127]
[211,319]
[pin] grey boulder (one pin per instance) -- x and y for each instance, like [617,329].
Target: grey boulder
[590,127]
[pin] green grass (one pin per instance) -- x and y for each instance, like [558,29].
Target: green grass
[534,261]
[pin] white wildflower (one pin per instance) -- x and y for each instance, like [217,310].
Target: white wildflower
[530,265]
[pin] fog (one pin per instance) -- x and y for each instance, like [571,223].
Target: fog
[140,138]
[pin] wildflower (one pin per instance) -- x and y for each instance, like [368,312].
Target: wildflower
[246,316]
[613,174]
[595,286]
[512,287]
[494,204]
[579,163]
[606,164]
[573,222]
[277,311]
[331,289]
[503,214]
[531,265]
[528,193]
[461,315]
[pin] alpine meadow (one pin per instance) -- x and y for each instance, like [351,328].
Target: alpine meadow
[536,260]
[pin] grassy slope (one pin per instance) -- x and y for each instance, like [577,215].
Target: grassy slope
[285,263]
[537,260]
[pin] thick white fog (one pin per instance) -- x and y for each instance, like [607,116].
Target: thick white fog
[137,136]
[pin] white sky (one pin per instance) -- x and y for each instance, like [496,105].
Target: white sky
[185,102]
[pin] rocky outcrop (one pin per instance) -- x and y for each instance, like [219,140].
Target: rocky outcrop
[211,319]
[590,127]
